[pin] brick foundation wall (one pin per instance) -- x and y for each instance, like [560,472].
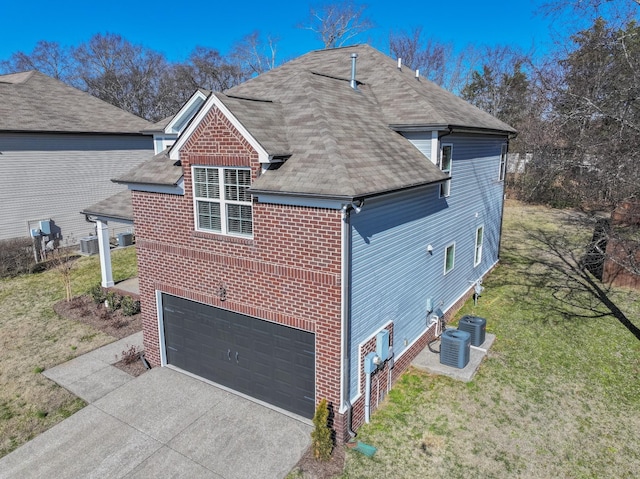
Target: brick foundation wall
[289,272]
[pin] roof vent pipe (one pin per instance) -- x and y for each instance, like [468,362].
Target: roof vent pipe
[399,63]
[354,84]
[417,74]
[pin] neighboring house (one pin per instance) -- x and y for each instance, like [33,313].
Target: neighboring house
[59,147]
[318,213]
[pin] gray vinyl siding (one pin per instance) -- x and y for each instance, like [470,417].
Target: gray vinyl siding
[392,272]
[56,175]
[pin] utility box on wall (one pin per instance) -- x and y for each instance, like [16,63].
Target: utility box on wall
[382,344]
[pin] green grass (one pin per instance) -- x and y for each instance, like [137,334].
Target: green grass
[557,396]
[33,338]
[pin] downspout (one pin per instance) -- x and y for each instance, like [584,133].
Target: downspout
[345,298]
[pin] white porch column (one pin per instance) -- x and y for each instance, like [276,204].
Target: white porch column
[102,228]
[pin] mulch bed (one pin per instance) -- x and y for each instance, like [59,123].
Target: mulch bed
[112,323]
[310,468]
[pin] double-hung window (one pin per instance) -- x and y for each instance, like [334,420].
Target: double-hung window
[477,258]
[503,163]
[446,155]
[222,200]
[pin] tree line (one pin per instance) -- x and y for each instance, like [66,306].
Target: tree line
[576,108]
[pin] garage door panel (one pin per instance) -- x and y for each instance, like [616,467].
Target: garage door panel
[268,361]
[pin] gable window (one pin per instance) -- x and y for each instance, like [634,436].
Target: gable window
[222,200]
[449,255]
[503,163]
[477,258]
[446,154]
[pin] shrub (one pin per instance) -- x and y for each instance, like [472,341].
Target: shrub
[113,301]
[97,294]
[321,436]
[129,306]
[16,257]
[131,355]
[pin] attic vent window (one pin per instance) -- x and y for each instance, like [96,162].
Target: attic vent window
[222,201]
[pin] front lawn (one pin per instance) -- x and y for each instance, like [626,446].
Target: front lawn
[558,395]
[33,338]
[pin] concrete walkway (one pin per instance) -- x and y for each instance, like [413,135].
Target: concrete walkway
[161,424]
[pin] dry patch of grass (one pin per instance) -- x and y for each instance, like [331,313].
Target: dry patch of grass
[34,338]
[557,396]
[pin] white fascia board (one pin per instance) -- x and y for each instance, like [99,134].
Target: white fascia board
[213,100]
[185,111]
[177,189]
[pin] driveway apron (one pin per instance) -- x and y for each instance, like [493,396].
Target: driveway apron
[161,424]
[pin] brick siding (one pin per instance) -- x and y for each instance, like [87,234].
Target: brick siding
[289,272]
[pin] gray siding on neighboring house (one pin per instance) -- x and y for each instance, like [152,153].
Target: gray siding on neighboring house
[57,175]
[392,272]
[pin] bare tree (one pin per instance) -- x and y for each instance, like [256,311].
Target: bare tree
[47,57]
[121,73]
[337,23]
[253,54]
[437,61]
[207,68]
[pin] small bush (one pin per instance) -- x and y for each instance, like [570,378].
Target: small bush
[97,294]
[321,435]
[113,301]
[129,306]
[131,355]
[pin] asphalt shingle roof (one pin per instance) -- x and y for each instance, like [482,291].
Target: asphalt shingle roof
[159,170]
[117,207]
[34,102]
[342,142]
[339,142]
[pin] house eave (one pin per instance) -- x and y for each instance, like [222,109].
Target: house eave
[452,129]
[344,198]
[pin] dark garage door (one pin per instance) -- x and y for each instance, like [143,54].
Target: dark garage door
[268,361]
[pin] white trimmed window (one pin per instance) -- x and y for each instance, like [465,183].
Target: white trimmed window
[446,156]
[477,258]
[503,163]
[222,200]
[449,257]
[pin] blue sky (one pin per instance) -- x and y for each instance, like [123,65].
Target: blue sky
[175,28]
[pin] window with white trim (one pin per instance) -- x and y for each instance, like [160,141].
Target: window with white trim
[449,257]
[446,156]
[503,163]
[222,200]
[477,258]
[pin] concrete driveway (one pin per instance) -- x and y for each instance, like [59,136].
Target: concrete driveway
[161,424]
